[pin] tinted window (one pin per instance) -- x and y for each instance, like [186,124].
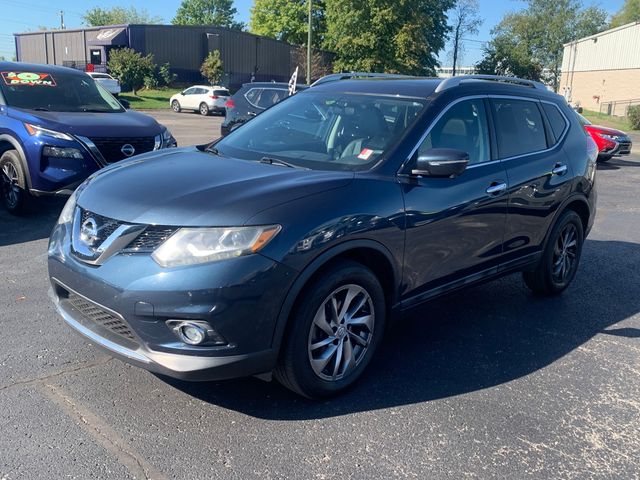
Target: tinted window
[57,92]
[221,93]
[556,120]
[519,127]
[462,127]
[324,130]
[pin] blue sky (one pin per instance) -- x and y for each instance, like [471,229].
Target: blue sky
[19,16]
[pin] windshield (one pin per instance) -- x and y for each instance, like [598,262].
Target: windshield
[56,92]
[325,130]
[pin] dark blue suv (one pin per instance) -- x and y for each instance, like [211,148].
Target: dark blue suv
[288,245]
[58,126]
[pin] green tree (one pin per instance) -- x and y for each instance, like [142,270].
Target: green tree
[287,20]
[630,12]
[212,68]
[207,12]
[130,67]
[97,16]
[533,39]
[395,36]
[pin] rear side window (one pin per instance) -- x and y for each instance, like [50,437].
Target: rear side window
[556,120]
[519,127]
[265,97]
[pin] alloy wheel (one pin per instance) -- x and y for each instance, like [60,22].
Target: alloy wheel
[10,186]
[565,253]
[341,332]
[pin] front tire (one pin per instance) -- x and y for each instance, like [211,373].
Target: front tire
[204,109]
[560,259]
[335,330]
[175,105]
[15,193]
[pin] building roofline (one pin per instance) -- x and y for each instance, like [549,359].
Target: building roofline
[600,34]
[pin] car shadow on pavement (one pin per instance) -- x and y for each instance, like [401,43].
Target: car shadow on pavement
[617,164]
[471,340]
[35,224]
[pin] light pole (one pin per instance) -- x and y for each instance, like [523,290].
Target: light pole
[309,44]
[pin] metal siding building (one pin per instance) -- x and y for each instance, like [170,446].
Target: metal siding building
[245,56]
[602,72]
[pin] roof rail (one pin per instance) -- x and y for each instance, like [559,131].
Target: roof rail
[335,77]
[455,81]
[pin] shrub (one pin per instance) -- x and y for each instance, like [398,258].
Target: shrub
[130,67]
[165,76]
[211,68]
[634,117]
[151,81]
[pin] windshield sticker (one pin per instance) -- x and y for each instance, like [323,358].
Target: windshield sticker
[29,79]
[365,154]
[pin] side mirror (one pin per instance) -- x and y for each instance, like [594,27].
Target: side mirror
[441,162]
[125,103]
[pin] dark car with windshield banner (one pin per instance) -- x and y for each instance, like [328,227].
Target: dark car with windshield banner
[58,126]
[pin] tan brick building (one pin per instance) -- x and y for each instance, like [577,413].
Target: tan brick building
[602,72]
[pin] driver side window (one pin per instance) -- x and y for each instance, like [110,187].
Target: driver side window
[462,127]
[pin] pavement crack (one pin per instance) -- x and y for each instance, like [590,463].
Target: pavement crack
[32,381]
[101,432]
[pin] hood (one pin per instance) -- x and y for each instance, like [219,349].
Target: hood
[188,187]
[606,130]
[117,124]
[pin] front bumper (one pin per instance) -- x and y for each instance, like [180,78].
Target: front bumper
[239,298]
[184,367]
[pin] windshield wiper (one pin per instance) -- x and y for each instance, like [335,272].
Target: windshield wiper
[41,109]
[275,161]
[213,150]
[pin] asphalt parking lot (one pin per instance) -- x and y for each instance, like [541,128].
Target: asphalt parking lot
[189,128]
[487,383]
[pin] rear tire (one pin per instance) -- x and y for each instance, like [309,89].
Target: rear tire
[15,194]
[560,258]
[175,105]
[334,332]
[204,109]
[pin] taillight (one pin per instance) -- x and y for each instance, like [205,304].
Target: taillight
[214,97]
[230,103]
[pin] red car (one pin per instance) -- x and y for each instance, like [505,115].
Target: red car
[610,142]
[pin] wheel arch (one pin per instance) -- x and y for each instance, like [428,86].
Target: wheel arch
[576,203]
[7,142]
[369,253]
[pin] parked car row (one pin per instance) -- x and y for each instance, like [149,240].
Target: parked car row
[288,246]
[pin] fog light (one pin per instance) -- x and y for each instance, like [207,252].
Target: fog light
[195,332]
[191,333]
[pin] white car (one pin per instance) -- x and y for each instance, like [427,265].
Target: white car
[201,98]
[107,81]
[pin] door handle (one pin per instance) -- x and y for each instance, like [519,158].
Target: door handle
[560,169]
[496,188]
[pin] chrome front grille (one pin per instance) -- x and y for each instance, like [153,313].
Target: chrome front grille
[150,239]
[98,315]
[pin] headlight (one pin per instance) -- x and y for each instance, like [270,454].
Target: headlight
[190,246]
[45,132]
[66,216]
[61,152]
[167,139]
[608,137]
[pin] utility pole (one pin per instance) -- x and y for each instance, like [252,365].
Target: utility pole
[62,27]
[309,44]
